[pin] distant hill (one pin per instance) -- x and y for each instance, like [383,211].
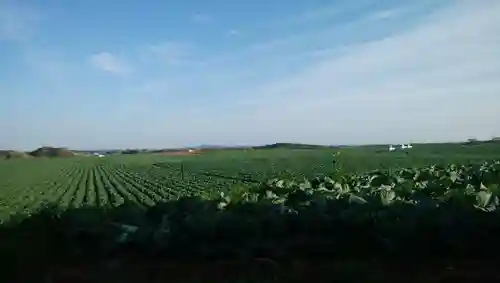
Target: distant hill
[47,151]
[3,152]
[291,146]
[11,154]
[494,140]
[211,146]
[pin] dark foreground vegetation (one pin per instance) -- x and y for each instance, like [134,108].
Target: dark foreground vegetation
[88,245]
[411,224]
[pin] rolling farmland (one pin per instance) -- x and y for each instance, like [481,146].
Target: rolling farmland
[145,180]
[305,202]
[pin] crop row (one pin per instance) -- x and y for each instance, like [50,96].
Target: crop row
[186,182]
[86,184]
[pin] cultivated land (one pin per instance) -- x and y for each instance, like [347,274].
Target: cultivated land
[146,179]
[274,203]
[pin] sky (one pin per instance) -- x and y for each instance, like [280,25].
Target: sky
[92,74]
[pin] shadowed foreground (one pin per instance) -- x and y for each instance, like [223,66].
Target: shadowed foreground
[193,238]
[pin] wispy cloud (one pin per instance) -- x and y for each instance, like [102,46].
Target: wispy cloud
[108,62]
[385,14]
[319,14]
[425,82]
[436,80]
[313,42]
[361,74]
[309,42]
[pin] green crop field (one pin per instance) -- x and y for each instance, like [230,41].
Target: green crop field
[147,179]
[276,203]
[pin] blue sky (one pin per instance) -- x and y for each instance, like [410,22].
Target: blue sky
[137,74]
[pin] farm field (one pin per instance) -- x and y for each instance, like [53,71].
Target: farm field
[351,202]
[147,179]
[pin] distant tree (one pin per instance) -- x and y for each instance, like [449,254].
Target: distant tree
[130,151]
[47,151]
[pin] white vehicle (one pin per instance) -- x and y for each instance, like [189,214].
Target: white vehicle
[391,148]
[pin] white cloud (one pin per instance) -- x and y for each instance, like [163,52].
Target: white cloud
[438,81]
[109,63]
